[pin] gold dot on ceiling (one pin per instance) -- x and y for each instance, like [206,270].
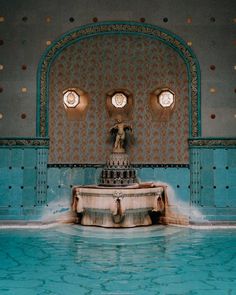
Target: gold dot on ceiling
[189,43]
[2,19]
[235,116]
[212,90]
[48,19]
[235,67]
[1,67]
[48,42]
[23,89]
[1,116]
[189,20]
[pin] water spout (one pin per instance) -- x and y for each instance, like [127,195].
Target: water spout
[118,214]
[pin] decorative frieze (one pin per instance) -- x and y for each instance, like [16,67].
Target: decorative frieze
[24,142]
[212,142]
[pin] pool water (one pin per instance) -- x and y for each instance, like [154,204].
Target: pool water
[70,259]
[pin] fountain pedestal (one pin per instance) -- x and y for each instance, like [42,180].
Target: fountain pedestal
[119,200]
[118,171]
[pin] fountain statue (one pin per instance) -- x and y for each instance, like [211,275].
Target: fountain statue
[119,200]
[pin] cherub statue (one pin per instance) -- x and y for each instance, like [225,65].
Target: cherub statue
[119,130]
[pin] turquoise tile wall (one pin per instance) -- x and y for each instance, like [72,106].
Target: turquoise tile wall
[213,182]
[22,172]
[27,185]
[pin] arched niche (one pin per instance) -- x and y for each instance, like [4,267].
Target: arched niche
[105,30]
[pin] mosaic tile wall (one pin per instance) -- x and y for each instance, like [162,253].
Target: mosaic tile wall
[28,27]
[100,64]
[213,185]
[23,174]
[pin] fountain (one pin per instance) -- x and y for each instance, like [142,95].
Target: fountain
[120,200]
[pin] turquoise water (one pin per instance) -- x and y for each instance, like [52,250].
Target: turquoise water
[153,260]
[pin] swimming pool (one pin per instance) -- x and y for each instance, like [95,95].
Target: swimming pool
[70,259]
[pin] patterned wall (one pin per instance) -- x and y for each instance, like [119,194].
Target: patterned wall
[100,64]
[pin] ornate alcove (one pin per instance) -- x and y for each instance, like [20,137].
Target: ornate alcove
[104,56]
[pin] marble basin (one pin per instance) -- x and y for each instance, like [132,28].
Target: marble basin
[118,206]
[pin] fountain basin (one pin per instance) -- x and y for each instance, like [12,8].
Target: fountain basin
[118,206]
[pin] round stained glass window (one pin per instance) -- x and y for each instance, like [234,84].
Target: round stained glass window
[71,99]
[119,100]
[166,99]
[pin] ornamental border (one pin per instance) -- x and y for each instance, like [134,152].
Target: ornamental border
[24,142]
[105,28]
[212,143]
[89,165]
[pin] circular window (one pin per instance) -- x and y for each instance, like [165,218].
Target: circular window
[119,100]
[71,99]
[166,98]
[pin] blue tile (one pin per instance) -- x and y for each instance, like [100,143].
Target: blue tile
[183,194]
[231,178]
[53,194]
[28,197]
[65,193]
[17,156]
[220,177]
[77,176]
[65,176]
[15,196]
[16,176]
[220,157]
[4,195]
[29,177]
[207,157]
[221,197]
[53,176]
[97,175]
[207,197]
[5,157]
[5,176]
[89,175]
[207,178]
[30,158]
[160,174]
[231,158]
[232,197]
[147,174]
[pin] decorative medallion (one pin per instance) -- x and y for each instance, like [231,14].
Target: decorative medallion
[119,100]
[71,99]
[166,98]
